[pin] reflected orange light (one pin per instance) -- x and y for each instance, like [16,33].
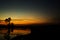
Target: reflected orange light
[20,32]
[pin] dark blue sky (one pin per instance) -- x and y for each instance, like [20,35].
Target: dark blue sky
[44,8]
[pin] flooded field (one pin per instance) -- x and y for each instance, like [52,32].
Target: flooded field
[15,32]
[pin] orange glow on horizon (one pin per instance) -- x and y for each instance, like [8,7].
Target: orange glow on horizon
[25,21]
[28,21]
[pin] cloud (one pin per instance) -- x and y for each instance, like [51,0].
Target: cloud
[56,20]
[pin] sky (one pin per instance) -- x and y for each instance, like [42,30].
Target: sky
[43,10]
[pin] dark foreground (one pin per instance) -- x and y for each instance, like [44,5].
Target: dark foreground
[38,31]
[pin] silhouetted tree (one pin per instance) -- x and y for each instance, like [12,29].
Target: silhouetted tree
[8,21]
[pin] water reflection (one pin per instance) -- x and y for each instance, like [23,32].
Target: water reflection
[16,31]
